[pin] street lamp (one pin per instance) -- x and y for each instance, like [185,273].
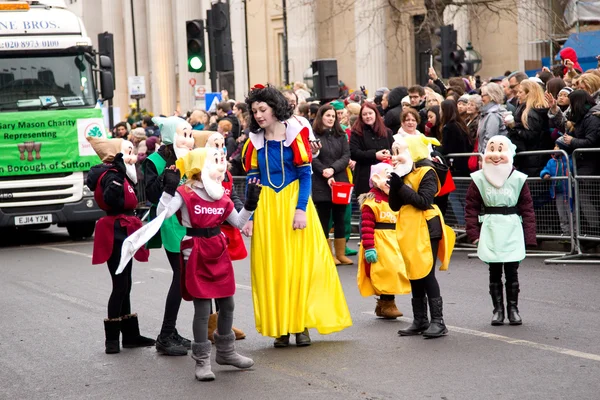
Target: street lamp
[473,60]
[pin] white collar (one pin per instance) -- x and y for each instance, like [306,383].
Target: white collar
[293,127]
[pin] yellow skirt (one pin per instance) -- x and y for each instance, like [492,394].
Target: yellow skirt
[295,284]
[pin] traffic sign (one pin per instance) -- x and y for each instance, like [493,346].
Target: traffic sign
[137,87]
[192,82]
[199,91]
[212,99]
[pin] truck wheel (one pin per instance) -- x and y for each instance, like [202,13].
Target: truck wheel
[82,230]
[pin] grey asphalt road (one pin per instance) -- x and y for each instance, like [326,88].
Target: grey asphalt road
[53,301]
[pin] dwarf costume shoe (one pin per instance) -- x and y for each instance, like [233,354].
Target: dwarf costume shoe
[512,302]
[131,333]
[387,309]
[420,321]
[201,354]
[340,251]
[437,327]
[226,354]
[112,331]
[498,301]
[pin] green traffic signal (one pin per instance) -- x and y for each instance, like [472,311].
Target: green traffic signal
[195,63]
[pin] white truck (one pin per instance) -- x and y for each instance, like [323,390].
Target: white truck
[48,105]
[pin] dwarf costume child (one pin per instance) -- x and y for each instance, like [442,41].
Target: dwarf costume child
[500,220]
[201,207]
[422,234]
[113,185]
[381,269]
[177,139]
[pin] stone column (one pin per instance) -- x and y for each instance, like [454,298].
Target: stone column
[185,10]
[371,53]
[533,26]
[239,45]
[459,17]
[302,37]
[112,22]
[160,50]
[141,40]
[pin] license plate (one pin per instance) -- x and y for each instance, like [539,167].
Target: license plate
[33,219]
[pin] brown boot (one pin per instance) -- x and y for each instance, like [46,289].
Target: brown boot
[389,309]
[378,308]
[340,251]
[212,326]
[239,334]
[330,242]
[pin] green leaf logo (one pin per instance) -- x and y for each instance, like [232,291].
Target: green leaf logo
[95,132]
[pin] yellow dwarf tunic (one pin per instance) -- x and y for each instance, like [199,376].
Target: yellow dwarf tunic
[413,234]
[388,274]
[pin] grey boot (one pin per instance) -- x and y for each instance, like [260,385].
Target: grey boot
[201,354]
[226,354]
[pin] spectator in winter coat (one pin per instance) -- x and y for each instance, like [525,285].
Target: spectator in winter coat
[569,58]
[330,167]
[558,166]
[370,143]
[532,131]
[394,109]
[491,122]
[473,115]
[224,113]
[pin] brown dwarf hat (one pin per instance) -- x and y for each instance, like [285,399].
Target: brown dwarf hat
[106,148]
[200,137]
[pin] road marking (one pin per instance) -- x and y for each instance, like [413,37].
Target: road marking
[243,287]
[509,340]
[65,251]
[162,270]
[62,296]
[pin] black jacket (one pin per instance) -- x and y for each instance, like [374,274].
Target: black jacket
[535,137]
[111,185]
[454,140]
[394,110]
[586,135]
[362,150]
[334,153]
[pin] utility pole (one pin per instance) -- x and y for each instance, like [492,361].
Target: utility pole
[135,64]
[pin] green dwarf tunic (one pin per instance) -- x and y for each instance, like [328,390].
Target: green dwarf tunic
[171,231]
[502,238]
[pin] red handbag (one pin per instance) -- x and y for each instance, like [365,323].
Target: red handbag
[474,160]
[448,187]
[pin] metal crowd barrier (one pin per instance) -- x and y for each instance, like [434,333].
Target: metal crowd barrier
[587,218]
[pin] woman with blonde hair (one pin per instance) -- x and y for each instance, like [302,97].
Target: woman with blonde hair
[590,82]
[532,129]
[492,121]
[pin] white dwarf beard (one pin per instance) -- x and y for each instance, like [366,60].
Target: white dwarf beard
[497,175]
[403,169]
[131,172]
[214,189]
[180,151]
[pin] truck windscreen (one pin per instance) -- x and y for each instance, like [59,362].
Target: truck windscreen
[46,82]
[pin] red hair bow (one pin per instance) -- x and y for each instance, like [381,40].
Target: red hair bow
[257,86]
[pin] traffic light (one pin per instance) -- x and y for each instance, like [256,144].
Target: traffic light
[459,66]
[195,45]
[445,46]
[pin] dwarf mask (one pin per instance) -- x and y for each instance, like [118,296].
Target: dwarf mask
[401,159]
[380,173]
[498,160]
[206,162]
[129,158]
[176,131]
[217,141]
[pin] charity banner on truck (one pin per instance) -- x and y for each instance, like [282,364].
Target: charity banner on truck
[48,142]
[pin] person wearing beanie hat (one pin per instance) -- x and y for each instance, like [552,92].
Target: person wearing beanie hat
[381,269]
[342,114]
[461,104]
[178,140]
[422,234]
[113,185]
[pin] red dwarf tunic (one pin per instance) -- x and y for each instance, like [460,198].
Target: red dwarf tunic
[237,248]
[208,273]
[105,227]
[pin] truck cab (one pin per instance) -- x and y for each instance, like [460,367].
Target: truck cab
[49,103]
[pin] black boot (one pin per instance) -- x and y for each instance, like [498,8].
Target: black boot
[498,301]
[131,333]
[420,321]
[112,331]
[437,327]
[170,345]
[512,302]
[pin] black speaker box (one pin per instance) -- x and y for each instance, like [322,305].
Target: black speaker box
[325,79]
